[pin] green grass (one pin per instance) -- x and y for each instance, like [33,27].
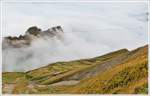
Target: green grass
[10,77]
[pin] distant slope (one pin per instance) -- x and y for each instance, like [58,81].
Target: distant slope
[114,72]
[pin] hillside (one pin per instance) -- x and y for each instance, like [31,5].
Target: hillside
[132,74]
[115,72]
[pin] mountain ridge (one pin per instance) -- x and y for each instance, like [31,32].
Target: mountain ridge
[31,33]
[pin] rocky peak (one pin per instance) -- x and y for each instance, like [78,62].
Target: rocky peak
[30,34]
[33,30]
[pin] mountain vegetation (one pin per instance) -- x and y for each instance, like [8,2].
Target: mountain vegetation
[119,72]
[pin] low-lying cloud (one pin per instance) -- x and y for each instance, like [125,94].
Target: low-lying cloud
[89,30]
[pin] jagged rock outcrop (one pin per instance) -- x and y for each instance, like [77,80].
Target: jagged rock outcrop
[33,30]
[31,33]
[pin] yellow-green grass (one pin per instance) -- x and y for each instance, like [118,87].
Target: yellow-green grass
[10,77]
[118,78]
[60,70]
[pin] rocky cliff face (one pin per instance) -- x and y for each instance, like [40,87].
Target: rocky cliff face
[31,34]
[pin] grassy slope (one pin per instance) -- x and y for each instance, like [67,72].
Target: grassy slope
[132,74]
[10,77]
[115,80]
[53,73]
[61,70]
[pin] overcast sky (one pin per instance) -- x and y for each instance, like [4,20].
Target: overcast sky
[114,24]
[90,30]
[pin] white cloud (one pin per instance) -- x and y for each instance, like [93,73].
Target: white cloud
[91,29]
